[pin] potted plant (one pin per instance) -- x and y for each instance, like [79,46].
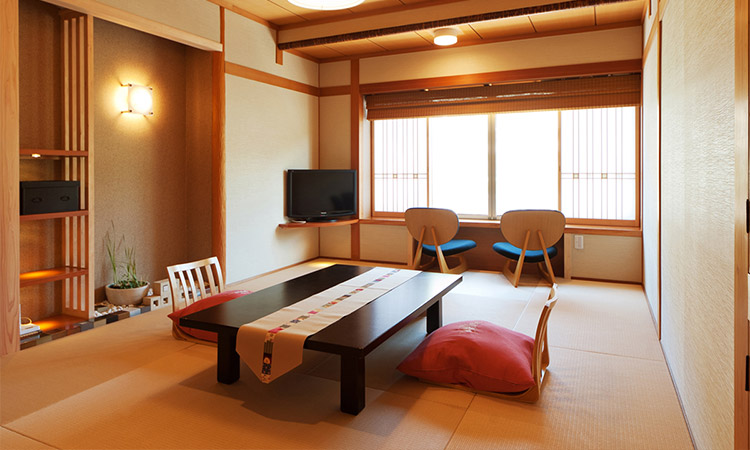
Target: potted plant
[127,288]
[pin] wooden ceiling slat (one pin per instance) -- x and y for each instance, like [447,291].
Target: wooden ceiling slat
[503,27]
[620,12]
[566,6]
[560,20]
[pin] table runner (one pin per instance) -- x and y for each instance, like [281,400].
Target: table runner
[272,345]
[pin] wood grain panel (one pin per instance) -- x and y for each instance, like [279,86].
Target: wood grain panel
[619,12]
[741,149]
[401,41]
[511,26]
[610,67]
[560,20]
[218,154]
[356,118]
[10,296]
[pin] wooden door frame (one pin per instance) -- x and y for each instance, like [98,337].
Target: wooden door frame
[10,295]
[741,402]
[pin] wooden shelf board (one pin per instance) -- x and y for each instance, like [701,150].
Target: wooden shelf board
[51,152]
[337,223]
[58,215]
[59,322]
[53,274]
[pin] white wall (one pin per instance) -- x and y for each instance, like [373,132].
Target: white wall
[268,130]
[698,213]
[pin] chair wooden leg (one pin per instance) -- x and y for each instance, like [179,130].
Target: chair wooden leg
[549,274]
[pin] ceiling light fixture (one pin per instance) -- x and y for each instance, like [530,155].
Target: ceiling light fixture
[445,36]
[326,4]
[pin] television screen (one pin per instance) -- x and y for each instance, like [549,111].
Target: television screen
[320,194]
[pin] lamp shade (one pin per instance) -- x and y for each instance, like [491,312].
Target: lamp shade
[326,4]
[445,36]
[139,100]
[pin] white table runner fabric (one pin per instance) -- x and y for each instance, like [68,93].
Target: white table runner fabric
[271,346]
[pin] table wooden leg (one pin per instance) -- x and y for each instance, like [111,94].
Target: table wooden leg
[228,361]
[435,316]
[352,384]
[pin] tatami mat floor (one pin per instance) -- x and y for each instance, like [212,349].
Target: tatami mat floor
[130,385]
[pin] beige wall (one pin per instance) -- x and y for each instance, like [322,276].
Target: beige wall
[268,130]
[698,213]
[580,48]
[650,178]
[253,45]
[616,258]
[142,162]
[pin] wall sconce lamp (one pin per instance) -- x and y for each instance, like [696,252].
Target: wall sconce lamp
[445,36]
[140,100]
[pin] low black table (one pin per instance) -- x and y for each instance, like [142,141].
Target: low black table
[352,337]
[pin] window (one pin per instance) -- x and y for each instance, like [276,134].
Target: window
[582,162]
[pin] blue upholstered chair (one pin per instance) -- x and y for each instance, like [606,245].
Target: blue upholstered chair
[434,230]
[530,236]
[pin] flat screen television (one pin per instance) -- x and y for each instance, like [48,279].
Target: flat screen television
[320,195]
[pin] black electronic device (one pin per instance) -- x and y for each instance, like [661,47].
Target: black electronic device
[41,197]
[316,195]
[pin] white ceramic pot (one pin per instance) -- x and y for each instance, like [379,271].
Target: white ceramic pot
[122,297]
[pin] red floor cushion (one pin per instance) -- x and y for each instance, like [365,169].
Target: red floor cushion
[476,354]
[200,305]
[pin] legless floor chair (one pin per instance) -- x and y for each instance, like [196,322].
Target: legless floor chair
[434,229]
[531,235]
[195,286]
[485,358]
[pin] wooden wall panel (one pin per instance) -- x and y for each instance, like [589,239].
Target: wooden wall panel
[9,141]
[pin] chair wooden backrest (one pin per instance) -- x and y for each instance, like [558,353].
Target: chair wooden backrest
[431,226]
[540,354]
[195,280]
[532,229]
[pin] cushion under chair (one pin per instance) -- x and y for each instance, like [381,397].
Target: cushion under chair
[200,305]
[450,248]
[533,256]
[474,353]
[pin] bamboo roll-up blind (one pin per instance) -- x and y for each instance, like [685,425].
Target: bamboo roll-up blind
[562,94]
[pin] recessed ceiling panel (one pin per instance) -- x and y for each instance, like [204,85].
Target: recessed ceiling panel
[320,52]
[494,29]
[619,12]
[360,47]
[401,41]
[563,20]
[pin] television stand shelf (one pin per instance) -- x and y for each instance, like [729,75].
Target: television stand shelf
[335,223]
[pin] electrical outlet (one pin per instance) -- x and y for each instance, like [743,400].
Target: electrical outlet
[579,241]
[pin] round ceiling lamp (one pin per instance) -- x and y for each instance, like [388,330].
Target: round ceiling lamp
[326,5]
[445,36]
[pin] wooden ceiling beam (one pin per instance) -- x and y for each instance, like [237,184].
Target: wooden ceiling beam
[286,44]
[438,23]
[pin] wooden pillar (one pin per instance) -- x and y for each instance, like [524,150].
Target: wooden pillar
[357,114]
[218,156]
[10,295]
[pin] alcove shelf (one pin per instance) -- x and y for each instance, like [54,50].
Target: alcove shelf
[53,274]
[53,153]
[57,215]
[337,223]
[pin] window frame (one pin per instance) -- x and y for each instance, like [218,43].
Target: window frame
[491,185]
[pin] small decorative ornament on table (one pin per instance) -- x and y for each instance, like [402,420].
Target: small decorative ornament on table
[127,288]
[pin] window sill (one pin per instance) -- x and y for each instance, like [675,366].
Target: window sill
[569,229]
